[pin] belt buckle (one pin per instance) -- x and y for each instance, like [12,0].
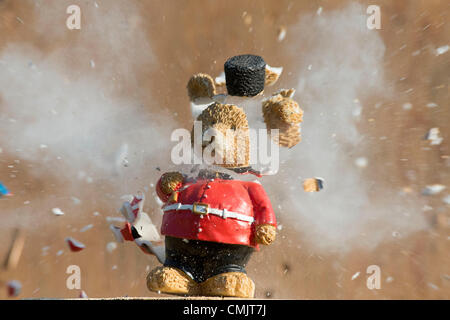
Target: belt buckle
[200,208]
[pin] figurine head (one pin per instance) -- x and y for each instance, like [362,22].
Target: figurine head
[226,139]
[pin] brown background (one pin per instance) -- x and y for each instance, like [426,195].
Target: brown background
[184,36]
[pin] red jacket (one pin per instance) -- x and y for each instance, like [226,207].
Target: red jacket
[243,197]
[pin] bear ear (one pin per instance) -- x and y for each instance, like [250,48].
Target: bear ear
[201,85]
[282,113]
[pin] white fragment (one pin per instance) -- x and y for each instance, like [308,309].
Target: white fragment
[442,50]
[115,219]
[60,252]
[319,11]
[433,136]
[57,212]
[446,199]
[361,162]
[389,279]
[433,286]
[111,246]
[83,295]
[86,228]
[433,189]
[431,105]
[92,62]
[356,275]
[281,34]
[407,106]
[220,79]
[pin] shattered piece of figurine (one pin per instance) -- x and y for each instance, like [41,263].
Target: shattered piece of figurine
[74,245]
[4,191]
[281,112]
[14,287]
[272,75]
[220,79]
[433,135]
[201,85]
[313,184]
[138,228]
[433,189]
[83,295]
[57,212]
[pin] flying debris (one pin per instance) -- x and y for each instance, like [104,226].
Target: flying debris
[433,136]
[83,295]
[138,228]
[201,85]
[433,189]
[313,184]
[356,275]
[220,79]
[111,246]
[272,75]
[86,228]
[57,212]
[283,113]
[74,245]
[281,33]
[442,50]
[361,162]
[14,287]
[446,199]
[4,191]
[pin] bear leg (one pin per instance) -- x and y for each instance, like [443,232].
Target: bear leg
[229,284]
[171,280]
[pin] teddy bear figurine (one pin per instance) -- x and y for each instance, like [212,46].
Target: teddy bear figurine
[213,218]
[213,223]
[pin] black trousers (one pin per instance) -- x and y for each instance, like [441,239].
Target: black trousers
[203,259]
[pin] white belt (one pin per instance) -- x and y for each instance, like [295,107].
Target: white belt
[203,209]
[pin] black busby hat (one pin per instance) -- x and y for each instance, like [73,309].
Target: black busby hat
[245,75]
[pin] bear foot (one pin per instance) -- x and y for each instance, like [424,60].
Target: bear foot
[230,284]
[171,280]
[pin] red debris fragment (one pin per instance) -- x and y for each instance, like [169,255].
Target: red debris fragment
[74,245]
